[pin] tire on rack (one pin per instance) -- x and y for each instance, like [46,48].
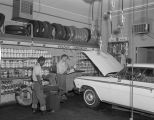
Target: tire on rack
[23,33]
[89,34]
[52,31]
[14,27]
[35,27]
[16,30]
[72,31]
[91,98]
[63,32]
[24,96]
[41,29]
[2,19]
[68,33]
[46,33]
[58,31]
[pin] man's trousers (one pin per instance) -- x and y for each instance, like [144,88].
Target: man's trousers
[38,96]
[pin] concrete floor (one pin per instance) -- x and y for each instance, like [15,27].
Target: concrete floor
[72,109]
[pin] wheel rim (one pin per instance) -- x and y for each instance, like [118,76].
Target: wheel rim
[24,97]
[89,97]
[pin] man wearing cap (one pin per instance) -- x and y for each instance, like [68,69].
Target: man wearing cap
[38,95]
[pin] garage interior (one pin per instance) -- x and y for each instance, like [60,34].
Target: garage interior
[50,28]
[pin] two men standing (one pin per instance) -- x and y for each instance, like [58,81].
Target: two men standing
[38,93]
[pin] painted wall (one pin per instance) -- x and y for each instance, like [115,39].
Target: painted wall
[77,16]
[142,55]
[142,13]
[42,11]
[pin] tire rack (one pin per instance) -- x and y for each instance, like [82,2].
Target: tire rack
[18,59]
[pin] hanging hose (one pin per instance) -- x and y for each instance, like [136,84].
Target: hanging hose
[110,17]
[100,36]
[92,18]
[122,18]
[131,89]
[147,17]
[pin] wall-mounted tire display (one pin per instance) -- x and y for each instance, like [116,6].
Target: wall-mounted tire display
[54,31]
[2,19]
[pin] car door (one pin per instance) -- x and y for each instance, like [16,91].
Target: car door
[120,92]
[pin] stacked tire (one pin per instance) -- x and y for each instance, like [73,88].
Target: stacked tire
[40,29]
[59,32]
[44,29]
[2,19]
[16,30]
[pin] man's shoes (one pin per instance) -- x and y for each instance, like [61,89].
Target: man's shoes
[43,112]
[47,112]
[34,110]
[64,97]
[51,111]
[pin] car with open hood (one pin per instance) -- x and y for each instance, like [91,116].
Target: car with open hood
[117,85]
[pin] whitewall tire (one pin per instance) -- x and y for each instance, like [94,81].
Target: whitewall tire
[90,98]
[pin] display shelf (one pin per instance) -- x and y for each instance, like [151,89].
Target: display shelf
[8,88]
[8,99]
[44,67]
[117,48]
[16,68]
[22,58]
[62,42]
[15,78]
[15,38]
[44,42]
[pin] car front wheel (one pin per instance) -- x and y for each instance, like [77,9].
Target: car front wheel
[90,98]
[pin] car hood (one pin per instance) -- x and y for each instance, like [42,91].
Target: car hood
[104,62]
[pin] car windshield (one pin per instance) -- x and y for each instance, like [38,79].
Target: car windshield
[142,74]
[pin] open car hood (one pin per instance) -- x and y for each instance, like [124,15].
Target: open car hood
[104,62]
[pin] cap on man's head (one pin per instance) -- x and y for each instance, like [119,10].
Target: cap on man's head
[41,58]
[64,55]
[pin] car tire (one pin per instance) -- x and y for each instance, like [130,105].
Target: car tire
[91,98]
[2,19]
[35,27]
[16,30]
[24,97]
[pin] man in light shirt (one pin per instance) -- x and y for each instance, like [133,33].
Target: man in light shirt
[62,69]
[38,95]
[62,65]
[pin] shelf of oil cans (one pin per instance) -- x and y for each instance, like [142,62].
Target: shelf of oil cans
[17,62]
[118,48]
[84,64]
[8,89]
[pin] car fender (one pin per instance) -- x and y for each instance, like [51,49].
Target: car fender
[81,85]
